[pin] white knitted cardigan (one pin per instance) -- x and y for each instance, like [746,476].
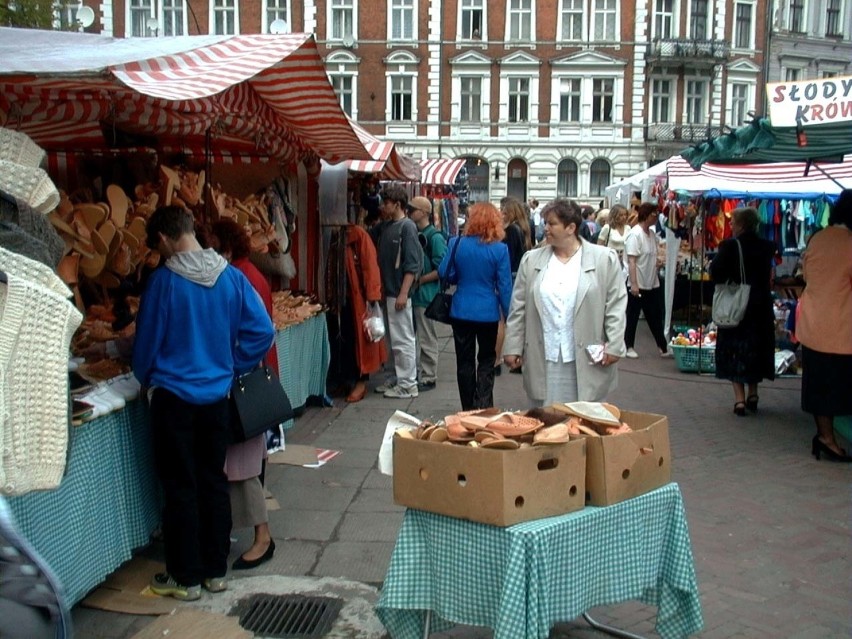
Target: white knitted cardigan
[36,326]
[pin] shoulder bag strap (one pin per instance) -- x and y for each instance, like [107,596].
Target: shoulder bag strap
[444,283]
[742,262]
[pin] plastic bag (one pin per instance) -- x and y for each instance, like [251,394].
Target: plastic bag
[374,322]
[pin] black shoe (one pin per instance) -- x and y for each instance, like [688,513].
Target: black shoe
[516,371]
[247,564]
[740,409]
[426,386]
[751,403]
[818,449]
[497,370]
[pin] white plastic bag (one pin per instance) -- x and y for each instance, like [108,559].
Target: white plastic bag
[374,322]
[398,420]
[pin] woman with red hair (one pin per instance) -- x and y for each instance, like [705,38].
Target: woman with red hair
[478,264]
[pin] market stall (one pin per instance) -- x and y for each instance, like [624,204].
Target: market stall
[444,181]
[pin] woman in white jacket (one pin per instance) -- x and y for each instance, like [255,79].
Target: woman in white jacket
[569,294]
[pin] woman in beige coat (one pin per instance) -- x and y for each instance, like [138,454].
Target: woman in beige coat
[568,295]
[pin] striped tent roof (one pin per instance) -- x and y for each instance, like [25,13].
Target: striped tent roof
[441,171]
[386,160]
[266,94]
[775,179]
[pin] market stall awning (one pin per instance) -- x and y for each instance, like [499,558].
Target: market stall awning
[440,172]
[269,92]
[620,192]
[387,162]
[777,180]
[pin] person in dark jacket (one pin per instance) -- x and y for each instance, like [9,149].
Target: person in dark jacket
[745,353]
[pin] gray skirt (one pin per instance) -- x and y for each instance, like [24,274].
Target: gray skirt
[560,383]
[248,505]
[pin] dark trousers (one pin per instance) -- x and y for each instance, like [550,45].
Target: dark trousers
[651,303]
[475,370]
[190,441]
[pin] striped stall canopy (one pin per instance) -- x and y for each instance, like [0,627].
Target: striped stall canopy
[767,179]
[387,161]
[79,91]
[440,172]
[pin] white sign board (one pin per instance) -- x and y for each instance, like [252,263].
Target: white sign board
[810,101]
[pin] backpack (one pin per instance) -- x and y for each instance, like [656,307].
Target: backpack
[426,242]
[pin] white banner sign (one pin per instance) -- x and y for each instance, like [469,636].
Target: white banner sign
[810,101]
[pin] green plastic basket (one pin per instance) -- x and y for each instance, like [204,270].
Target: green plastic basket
[691,359]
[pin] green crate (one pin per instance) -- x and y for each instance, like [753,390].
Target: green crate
[687,358]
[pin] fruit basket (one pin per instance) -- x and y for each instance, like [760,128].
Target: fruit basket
[691,359]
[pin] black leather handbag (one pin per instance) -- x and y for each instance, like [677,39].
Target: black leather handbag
[439,308]
[258,403]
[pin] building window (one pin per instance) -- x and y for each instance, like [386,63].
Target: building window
[832,18]
[65,15]
[342,19]
[519,99]
[792,75]
[797,16]
[472,19]
[698,20]
[224,17]
[829,74]
[663,18]
[696,97]
[402,19]
[567,179]
[343,87]
[172,17]
[661,101]
[520,20]
[603,99]
[276,10]
[604,16]
[401,98]
[742,25]
[598,177]
[471,99]
[569,100]
[739,103]
[140,12]
[572,19]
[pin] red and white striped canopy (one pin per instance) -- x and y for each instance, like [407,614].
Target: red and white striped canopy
[267,94]
[387,161]
[440,172]
[781,179]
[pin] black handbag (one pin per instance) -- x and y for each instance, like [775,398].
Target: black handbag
[258,403]
[439,308]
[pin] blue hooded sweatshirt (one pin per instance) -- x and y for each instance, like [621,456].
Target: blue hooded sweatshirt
[199,322]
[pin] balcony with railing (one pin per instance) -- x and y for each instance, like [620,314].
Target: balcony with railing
[683,51]
[680,133]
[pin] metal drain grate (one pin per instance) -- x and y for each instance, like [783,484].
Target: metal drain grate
[288,616]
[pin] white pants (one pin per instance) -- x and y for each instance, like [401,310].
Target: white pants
[427,345]
[402,342]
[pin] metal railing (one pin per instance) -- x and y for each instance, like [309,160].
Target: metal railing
[669,131]
[693,49]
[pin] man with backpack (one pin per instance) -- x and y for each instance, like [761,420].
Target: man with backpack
[426,330]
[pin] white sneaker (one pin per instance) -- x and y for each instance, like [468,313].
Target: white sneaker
[384,388]
[398,392]
[631,354]
[126,386]
[104,394]
[667,354]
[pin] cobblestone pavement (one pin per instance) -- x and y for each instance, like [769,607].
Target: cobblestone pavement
[770,526]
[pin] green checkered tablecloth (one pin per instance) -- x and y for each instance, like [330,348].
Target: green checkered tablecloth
[303,359]
[106,506]
[521,580]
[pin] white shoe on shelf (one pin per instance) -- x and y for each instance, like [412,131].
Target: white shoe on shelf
[632,354]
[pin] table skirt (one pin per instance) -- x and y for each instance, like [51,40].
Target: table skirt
[304,356]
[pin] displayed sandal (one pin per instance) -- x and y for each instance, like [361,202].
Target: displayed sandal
[751,403]
[740,409]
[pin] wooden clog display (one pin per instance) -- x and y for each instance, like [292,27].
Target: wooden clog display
[289,308]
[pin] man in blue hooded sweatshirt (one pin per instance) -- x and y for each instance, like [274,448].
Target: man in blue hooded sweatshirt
[200,322]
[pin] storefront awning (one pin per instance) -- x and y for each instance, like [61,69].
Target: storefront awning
[73,90]
[386,160]
[440,172]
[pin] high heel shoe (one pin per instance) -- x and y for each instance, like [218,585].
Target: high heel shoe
[818,448]
[246,564]
[740,409]
[751,403]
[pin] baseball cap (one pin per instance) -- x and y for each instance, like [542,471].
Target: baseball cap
[420,203]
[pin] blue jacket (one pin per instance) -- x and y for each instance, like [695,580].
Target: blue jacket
[483,278]
[192,338]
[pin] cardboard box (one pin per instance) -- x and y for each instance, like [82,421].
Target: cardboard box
[498,487]
[619,467]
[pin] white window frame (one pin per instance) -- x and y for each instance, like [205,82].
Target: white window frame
[665,24]
[224,7]
[344,93]
[468,65]
[840,18]
[567,193]
[409,88]
[163,11]
[574,9]
[792,74]
[601,9]
[689,97]
[739,105]
[136,10]
[525,8]
[598,90]
[401,64]
[575,95]
[656,98]
[588,66]
[408,7]
[519,65]
[604,183]
[65,15]
[518,94]
[343,63]
[805,9]
[465,6]
[274,6]
[473,100]
[744,73]
[339,7]
[752,22]
[708,20]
